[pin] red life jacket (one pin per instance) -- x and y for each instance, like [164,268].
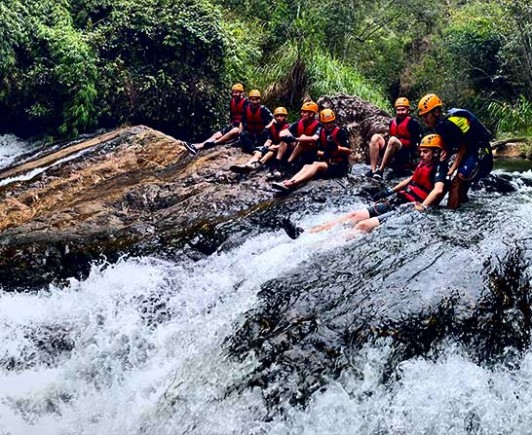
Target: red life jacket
[236,110]
[335,157]
[275,129]
[400,131]
[421,184]
[309,130]
[255,123]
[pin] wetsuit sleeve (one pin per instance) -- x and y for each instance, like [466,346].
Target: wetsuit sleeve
[267,115]
[416,132]
[343,138]
[317,131]
[244,120]
[440,172]
[293,128]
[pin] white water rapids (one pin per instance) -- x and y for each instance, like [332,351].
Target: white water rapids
[137,348]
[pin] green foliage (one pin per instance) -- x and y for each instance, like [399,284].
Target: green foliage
[330,76]
[69,66]
[512,118]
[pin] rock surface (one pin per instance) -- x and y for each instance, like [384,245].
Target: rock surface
[138,191]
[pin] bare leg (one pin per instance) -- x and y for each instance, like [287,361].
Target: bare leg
[367,225]
[295,153]
[353,218]
[215,136]
[267,157]
[230,135]
[394,145]
[307,173]
[375,145]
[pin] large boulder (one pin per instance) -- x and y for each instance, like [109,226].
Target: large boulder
[131,191]
[361,119]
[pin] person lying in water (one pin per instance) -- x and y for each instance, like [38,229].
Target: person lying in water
[425,188]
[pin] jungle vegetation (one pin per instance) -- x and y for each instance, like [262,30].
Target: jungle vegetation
[73,66]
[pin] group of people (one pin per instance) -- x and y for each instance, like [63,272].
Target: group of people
[313,145]
[453,151]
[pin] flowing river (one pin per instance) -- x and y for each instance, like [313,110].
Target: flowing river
[267,337]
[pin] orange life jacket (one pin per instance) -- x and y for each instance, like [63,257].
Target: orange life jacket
[236,110]
[421,184]
[400,131]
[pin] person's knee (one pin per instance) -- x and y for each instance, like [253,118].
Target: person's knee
[394,144]
[366,226]
[377,140]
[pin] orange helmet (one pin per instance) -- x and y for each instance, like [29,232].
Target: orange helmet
[310,106]
[402,102]
[327,115]
[280,111]
[432,141]
[428,103]
[238,87]
[254,93]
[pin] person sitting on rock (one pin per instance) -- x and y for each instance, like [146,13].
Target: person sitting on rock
[400,150]
[466,138]
[270,150]
[300,140]
[333,155]
[255,118]
[232,130]
[425,188]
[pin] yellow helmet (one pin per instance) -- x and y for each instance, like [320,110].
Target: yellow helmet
[432,141]
[254,93]
[310,106]
[280,111]
[239,87]
[327,115]
[402,102]
[428,103]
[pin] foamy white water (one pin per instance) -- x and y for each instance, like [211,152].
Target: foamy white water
[137,348]
[10,148]
[146,338]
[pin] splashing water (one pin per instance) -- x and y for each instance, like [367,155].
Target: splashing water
[138,348]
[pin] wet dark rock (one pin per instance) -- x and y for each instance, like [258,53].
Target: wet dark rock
[133,191]
[361,119]
[417,284]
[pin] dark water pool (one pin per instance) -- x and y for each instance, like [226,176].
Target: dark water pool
[512,165]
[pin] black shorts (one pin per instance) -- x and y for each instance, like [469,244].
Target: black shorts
[228,128]
[335,171]
[262,149]
[385,209]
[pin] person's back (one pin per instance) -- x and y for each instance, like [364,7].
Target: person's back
[466,138]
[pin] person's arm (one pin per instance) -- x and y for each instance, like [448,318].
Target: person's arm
[310,140]
[267,116]
[243,123]
[433,197]
[343,142]
[416,132]
[402,184]
[459,157]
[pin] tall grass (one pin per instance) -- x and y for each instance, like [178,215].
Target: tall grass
[331,76]
[293,73]
[512,119]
